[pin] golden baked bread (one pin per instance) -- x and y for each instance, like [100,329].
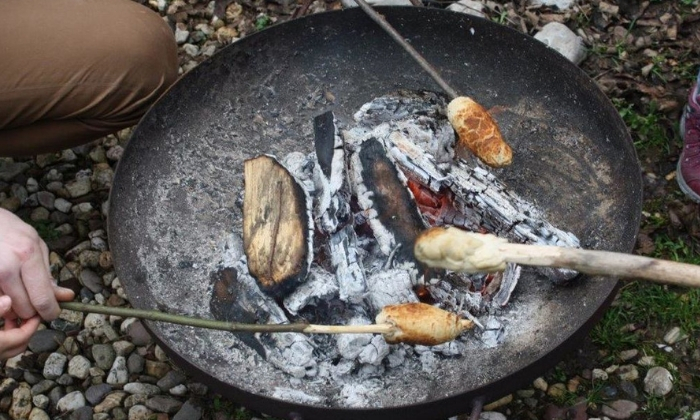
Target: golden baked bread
[478,132]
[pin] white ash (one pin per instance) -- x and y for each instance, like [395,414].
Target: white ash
[347,265]
[360,394]
[297,396]
[374,352]
[493,333]
[319,285]
[390,287]
[351,345]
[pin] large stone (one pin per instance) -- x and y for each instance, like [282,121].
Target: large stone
[96,393]
[46,340]
[191,411]
[559,4]
[164,404]
[79,367]
[112,400]
[620,409]
[71,401]
[38,414]
[140,412]
[118,374]
[658,381]
[470,7]
[142,388]
[54,365]
[21,402]
[9,170]
[104,356]
[561,39]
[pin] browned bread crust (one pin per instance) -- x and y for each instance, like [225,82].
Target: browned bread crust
[478,132]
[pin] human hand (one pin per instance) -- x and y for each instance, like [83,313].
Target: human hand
[25,276]
[14,336]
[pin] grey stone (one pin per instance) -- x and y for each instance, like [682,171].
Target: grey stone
[559,4]
[32,378]
[628,373]
[97,154]
[658,381]
[123,348]
[54,187]
[561,39]
[41,401]
[96,393]
[620,409]
[46,199]
[8,385]
[140,412]
[118,374]
[71,401]
[113,399]
[91,280]
[43,387]
[56,394]
[79,367]
[628,388]
[181,36]
[32,185]
[115,153]
[38,414]
[135,399]
[628,354]
[191,50]
[47,340]
[164,404]
[81,210]
[54,365]
[62,205]
[470,7]
[178,390]
[90,258]
[65,380]
[138,334]
[674,335]
[135,363]
[189,411]
[104,356]
[21,402]
[83,413]
[102,176]
[80,186]
[39,214]
[9,170]
[142,388]
[171,379]
[20,192]
[492,415]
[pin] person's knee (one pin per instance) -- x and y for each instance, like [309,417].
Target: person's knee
[149,49]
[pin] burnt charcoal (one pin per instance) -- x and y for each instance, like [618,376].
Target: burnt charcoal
[319,286]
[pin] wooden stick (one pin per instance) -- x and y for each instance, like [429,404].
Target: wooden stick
[228,326]
[604,263]
[458,250]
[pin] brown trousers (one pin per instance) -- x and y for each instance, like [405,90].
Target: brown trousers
[72,71]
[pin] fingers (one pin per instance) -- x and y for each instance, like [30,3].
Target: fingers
[5,305]
[14,339]
[63,294]
[39,286]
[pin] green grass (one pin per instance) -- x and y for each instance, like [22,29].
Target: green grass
[262,22]
[648,128]
[46,229]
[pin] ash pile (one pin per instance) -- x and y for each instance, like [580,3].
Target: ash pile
[340,248]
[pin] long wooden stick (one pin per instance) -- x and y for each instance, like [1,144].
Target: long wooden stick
[457,250]
[153,315]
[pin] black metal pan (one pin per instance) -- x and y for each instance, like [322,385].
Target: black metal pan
[175,205]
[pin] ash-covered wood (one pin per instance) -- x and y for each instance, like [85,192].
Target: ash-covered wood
[275,225]
[381,192]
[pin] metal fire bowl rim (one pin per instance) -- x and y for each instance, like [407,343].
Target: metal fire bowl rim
[315,51]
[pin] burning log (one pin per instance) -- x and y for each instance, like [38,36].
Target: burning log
[276,225]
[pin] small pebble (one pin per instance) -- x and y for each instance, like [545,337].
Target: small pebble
[674,335]
[599,374]
[118,374]
[557,390]
[658,381]
[620,409]
[626,355]
[540,384]
[628,373]
[71,401]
